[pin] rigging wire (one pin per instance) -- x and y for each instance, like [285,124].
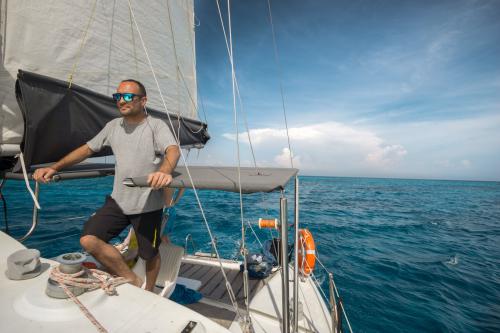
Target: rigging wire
[231,294]
[254,233]
[280,75]
[241,104]
[243,244]
[236,84]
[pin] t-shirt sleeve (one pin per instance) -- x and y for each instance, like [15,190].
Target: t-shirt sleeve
[101,139]
[164,136]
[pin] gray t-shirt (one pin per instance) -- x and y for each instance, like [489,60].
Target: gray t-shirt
[139,150]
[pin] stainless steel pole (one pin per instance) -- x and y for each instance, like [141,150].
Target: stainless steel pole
[296,263]
[285,307]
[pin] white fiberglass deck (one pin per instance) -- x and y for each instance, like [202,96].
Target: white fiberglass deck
[24,307]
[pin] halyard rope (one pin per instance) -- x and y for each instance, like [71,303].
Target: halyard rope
[195,192]
[96,279]
[82,44]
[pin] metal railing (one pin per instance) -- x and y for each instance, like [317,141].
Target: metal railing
[189,237]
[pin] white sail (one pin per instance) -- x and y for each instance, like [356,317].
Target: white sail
[100,38]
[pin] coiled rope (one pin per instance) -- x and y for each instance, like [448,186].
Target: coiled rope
[95,279]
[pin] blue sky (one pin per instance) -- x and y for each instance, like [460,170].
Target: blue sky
[405,89]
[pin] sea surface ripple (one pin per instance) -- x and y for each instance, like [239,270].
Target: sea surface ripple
[407,255]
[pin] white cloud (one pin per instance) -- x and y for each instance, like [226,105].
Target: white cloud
[329,147]
[283,159]
[465,163]
[454,165]
[387,155]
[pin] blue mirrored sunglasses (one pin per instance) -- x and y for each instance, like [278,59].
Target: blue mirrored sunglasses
[127,97]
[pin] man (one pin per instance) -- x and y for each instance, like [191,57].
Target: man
[138,141]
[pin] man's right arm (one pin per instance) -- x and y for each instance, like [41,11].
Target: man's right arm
[44,175]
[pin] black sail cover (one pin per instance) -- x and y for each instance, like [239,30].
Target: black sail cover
[59,119]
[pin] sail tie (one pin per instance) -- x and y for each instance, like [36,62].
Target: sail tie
[26,181]
[96,279]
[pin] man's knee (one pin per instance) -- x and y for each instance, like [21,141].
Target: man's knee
[155,257]
[152,259]
[89,243]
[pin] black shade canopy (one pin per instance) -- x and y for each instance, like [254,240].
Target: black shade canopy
[59,119]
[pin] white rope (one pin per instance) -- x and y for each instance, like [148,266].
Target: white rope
[232,298]
[96,279]
[26,181]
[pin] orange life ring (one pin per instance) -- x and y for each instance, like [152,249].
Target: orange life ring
[307,252]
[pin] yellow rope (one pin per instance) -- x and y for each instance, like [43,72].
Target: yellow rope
[82,44]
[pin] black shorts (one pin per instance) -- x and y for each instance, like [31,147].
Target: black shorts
[109,221]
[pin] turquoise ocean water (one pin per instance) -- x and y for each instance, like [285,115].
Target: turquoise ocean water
[407,255]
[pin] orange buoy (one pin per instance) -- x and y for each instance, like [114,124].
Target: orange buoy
[307,252]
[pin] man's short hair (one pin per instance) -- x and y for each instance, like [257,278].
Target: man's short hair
[142,89]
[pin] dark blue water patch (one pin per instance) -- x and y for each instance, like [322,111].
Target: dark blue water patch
[407,255]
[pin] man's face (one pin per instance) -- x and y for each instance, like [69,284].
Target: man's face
[134,107]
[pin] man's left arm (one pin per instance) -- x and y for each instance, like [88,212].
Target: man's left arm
[163,176]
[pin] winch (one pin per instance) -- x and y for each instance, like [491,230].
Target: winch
[70,264]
